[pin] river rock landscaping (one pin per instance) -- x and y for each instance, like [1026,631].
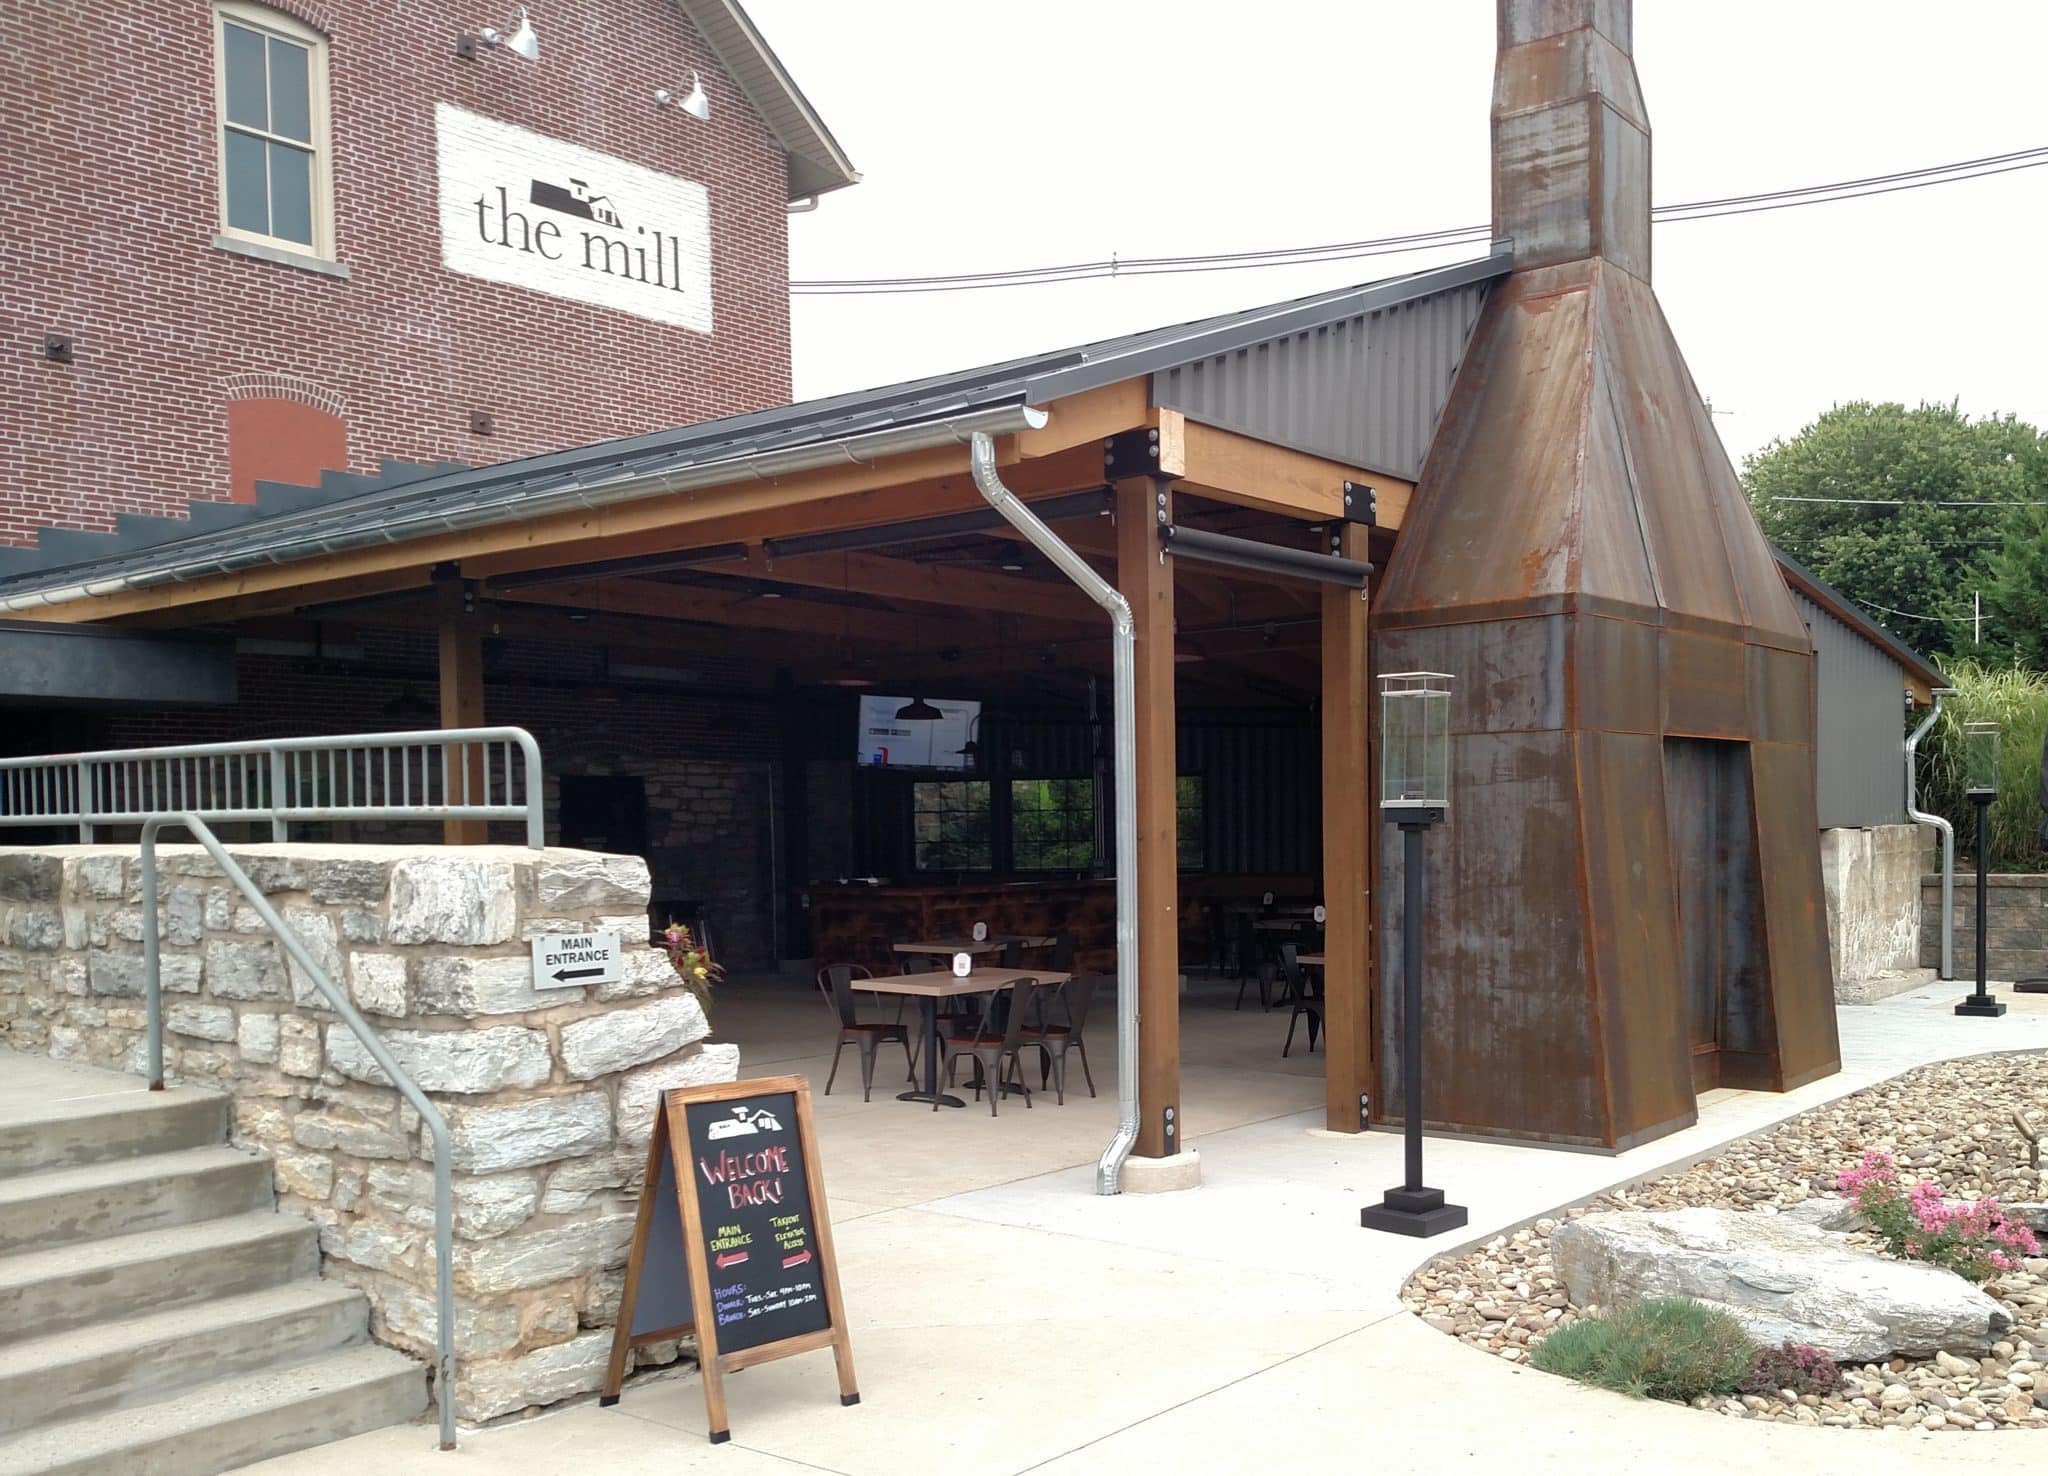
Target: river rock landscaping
[1953,1122]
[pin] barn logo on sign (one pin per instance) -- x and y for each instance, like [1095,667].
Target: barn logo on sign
[540,213]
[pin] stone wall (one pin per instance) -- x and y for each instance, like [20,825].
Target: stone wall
[549,1096]
[2016,924]
[1872,881]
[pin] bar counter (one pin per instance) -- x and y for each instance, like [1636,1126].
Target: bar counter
[856,924]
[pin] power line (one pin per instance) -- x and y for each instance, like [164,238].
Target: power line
[1820,194]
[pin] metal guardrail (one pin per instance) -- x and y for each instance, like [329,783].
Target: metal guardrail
[337,1000]
[442,774]
[439,774]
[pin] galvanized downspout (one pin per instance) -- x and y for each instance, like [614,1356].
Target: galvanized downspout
[1124,717]
[1948,838]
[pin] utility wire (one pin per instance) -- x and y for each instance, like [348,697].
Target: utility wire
[1820,194]
[1897,502]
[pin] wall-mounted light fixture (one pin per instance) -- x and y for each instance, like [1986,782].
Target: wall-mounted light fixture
[58,348]
[693,102]
[521,43]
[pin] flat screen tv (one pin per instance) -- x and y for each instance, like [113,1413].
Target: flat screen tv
[887,741]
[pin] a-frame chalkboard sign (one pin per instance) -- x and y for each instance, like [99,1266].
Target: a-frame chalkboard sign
[733,1242]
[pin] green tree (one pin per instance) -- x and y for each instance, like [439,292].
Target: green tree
[1901,510]
[2017,596]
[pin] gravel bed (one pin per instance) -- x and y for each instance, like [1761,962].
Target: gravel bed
[1951,1121]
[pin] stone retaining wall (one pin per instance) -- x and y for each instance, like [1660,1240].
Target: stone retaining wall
[2016,924]
[1871,877]
[549,1095]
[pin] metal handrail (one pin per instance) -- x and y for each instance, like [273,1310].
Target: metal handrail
[338,1001]
[436,774]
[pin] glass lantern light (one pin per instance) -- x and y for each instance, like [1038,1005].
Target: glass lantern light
[1415,746]
[1980,757]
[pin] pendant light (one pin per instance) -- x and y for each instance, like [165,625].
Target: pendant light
[847,673]
[917,710]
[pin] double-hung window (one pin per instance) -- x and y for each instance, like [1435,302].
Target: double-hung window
[274,154]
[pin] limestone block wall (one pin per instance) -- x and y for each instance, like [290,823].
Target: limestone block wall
[1871,878]
[549,1095]
[2016,924]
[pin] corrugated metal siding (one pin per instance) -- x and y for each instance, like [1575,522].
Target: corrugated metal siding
[1366,391]
[1860,727]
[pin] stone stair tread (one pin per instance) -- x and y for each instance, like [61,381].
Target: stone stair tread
[173,1323]
[92,1259]
[132,1361]
[231,1422]
[115,1172]
[60,1131]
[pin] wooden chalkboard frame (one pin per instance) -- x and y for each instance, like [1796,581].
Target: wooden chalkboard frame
[671,1140]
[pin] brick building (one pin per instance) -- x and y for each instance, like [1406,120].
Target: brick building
[272,240]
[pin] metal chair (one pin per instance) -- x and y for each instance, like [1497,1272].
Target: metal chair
[869,1036]
[1056,1040]
[989,1050]
[1307,999]
[1249,965]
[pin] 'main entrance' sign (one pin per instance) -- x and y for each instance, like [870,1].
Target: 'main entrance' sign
[732,1220]
[535,212]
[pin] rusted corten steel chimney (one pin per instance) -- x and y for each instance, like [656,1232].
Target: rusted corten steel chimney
[1626,904]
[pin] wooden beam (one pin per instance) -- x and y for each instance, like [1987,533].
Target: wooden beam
[462,702]
[1348,837]
[1252,473]
[1146,580]
[1089,418]
[933,584]
[913,484]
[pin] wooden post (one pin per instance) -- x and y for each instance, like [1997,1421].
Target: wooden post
[1143,504]
[1349,826]
[462,702]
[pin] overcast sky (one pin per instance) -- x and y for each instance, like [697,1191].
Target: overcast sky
[994,135]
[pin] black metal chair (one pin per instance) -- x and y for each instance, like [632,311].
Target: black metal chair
[1056,1040]
[1307,996]
[870,1036]
[1249,964]
[989,1050]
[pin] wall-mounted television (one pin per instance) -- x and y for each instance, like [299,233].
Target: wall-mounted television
[887,741]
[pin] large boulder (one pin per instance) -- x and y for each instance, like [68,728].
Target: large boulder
[1780,1279]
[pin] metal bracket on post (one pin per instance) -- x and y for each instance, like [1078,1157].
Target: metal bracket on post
[1131,454]
[1172,1131]
[1361,504]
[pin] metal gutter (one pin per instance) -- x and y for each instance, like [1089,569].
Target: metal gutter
[1263,558]
[1124,710]
[1948,836]
[1002,419]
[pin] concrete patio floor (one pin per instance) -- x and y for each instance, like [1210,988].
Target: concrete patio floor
[1005,1319]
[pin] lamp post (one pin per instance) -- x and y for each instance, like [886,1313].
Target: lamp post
[1415,769]
[1980,768]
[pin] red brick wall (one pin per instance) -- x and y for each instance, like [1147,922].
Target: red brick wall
[108,141]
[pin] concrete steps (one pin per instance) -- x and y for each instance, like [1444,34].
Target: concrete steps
[126,1195]
[156,1313]
[220,1426]
[121,1364]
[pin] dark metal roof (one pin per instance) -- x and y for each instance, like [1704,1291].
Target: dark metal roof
[506,491]
[1851,614]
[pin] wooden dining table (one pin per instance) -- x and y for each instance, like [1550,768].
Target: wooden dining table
[929,989]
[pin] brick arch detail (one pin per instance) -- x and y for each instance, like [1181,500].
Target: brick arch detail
[292,387]
[318,14]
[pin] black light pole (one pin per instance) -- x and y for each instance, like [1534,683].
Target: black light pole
[1413,1208]
[1980,767]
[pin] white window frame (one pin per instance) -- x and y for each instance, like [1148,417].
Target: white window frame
[269,22]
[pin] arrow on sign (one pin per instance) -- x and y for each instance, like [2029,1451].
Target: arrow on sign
[799,1259]
[579,973]
[731,1258]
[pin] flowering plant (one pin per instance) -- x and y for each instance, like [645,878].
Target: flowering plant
[1972,1238]
[1800,1367]
[692,963]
